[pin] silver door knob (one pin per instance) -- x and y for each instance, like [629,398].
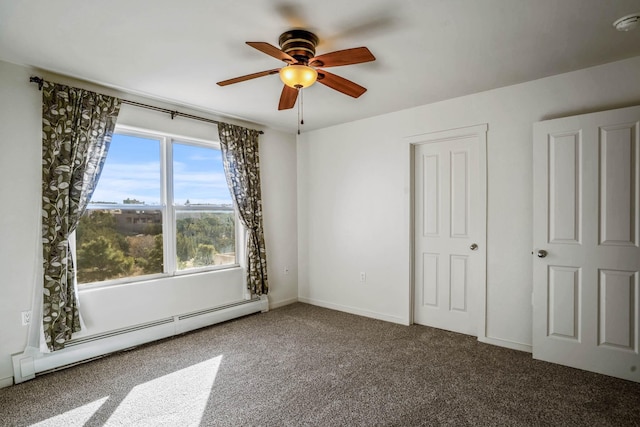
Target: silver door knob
[542,253]
[474,246]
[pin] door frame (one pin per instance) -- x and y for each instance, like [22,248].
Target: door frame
[410,142]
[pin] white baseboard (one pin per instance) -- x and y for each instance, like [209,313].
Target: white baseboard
[506,343]
[354,310]
[31,362]
[282,303]
[6,382]
[192,321]
[394,319]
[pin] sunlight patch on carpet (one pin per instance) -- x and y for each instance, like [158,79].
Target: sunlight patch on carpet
[75,417]
[179,398]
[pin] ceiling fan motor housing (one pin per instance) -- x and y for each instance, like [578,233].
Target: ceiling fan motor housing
[300,44]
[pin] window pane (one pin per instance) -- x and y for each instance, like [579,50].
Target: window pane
[116,243]
[205,238]
[131,173]
[198,176]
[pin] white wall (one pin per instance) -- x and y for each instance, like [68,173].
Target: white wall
[353,195]
[124,305]
[20,177]
[279,209]
[351,210]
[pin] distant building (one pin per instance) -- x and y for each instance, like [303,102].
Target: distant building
[136,221]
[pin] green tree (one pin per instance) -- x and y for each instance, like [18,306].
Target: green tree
[185,249]
[95,223]
[155,261]
[215,230]
[153,229]
[100,260]
[141,248]
[204,255]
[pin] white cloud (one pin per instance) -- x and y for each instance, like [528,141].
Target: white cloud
[141,181]
[121,181]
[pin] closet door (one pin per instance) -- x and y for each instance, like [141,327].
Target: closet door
[450,229]
[586,255]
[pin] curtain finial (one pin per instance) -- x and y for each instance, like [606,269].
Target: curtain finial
[39,80]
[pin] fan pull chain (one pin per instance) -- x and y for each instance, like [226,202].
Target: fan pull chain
[300,109]
[299,91]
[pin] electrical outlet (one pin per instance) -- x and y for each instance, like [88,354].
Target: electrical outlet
[363,276]
[26,317]
[286,270]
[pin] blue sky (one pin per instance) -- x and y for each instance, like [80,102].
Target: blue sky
[132,170]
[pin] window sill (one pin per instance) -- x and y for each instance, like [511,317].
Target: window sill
[156,277]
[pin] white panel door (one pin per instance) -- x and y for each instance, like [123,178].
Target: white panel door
[586,242]
[450,229]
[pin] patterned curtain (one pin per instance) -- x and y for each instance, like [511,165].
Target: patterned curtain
[242,168]
[76,131]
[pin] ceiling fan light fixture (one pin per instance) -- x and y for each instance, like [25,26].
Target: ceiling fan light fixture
[298,76]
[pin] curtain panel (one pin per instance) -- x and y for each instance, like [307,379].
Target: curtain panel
[242,168]
[76,132]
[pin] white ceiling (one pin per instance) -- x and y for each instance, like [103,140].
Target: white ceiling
[426,50]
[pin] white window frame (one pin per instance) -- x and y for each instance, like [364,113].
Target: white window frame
[168,208]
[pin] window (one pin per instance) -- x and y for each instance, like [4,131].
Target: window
[161,207]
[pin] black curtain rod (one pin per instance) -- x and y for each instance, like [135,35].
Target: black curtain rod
[172,113]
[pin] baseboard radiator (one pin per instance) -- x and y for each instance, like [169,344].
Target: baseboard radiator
[28,364]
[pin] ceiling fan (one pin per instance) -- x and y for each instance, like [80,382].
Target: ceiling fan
[298,49]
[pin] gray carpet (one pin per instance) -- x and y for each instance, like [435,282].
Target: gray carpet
[305,365]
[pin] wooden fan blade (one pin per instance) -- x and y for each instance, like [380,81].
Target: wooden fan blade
[288,98]
[357,55]
[340,84]
[271,50]
[248,77]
